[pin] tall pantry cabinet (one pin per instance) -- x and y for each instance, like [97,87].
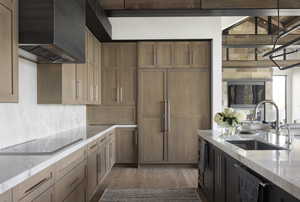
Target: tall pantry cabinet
[8,51]
[174,100]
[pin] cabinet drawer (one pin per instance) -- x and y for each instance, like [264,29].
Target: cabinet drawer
[102,140]
[67,164]
[46,196]
[92,147]
[35,185]
[70,181]
[6,197]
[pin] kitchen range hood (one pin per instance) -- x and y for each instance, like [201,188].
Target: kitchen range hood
[53,30]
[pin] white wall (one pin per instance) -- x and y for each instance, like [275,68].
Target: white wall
[27,120]
[138,28]
[229,21]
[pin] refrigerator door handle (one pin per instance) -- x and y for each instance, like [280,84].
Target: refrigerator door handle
[169,116]
[162,118]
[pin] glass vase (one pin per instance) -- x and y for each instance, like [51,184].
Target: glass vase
[229,131]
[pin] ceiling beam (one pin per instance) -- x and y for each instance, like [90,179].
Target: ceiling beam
[257,64]
[295,20]
[254,41]
[200,12]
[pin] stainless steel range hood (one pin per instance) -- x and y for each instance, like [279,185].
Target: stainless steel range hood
[54,30]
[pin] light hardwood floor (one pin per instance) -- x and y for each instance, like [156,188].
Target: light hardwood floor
[149,177]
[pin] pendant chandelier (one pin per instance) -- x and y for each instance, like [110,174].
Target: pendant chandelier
[276,52]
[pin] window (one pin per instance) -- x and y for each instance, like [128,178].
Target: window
[279,95]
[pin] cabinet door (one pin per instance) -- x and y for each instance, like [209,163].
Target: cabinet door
[165,4]
[69,86]
[182,54]
[101,163]
[112,4]
[6,197]
[8,52]
[208,177]
[188,111]
[110,89]
[92,175]
[146,55]
[47,196]
[232,184]
[81,78]
[127,74]
[90,82]
[201,54]
[110,55]
[223,4]
[126,148]
[164,54]
[127,89]
[220,177]
[97,73]
[78,195]
[151,108]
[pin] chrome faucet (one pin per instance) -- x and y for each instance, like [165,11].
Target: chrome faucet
[277,112]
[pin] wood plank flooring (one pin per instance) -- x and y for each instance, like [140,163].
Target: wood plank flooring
[149,177]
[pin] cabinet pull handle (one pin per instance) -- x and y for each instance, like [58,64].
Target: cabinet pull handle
[121,94]
[78,88]
[102,140]
[191,55]
[93,146]
[37,185]
[169,116]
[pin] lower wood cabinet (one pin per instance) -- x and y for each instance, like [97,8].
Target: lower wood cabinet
[47,196]
[126,146]
[92,175]
[6,197]
[78,194]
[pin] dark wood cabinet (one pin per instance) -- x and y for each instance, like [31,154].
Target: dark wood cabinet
[221,179]
[220,176]
[208,174]
[232,181]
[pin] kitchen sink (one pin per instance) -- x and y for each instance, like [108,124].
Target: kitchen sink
[254,145]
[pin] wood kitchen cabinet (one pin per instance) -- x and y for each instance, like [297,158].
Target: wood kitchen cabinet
[179,54]
[72,83]
[6,197]
[220,176]
[126,146]
[119,74]
[8,51]
[165,4]
[47,196]
[112,4]
[92,175]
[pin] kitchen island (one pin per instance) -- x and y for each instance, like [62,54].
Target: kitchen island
[278,170]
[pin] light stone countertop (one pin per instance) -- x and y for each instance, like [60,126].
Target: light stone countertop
[281,167]
[14,169]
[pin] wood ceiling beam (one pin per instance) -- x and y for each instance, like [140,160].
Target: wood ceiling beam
[251,40]
[257,64]
[292,22]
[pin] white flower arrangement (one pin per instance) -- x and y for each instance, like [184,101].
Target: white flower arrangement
[229,118]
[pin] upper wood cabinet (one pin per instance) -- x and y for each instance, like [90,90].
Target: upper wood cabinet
[225,4]
[112,4]
[159,4]
[8,52]
[181,54]
[119,62]
[72,83]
